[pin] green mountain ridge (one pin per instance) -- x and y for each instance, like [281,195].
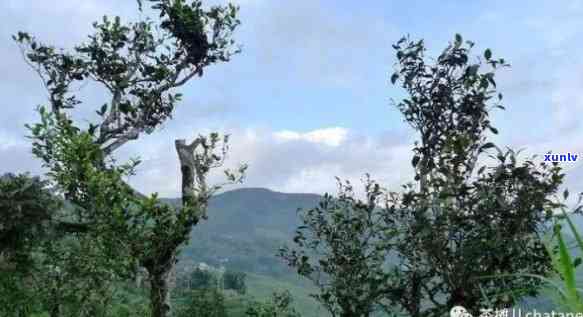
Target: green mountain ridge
[245,228]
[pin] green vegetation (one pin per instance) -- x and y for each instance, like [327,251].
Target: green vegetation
[570,295]
[235,281]
[205,302]
[562,284]
[341,248]
[460,222]
[82,242]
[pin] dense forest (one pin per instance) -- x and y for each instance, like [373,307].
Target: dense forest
[479,226]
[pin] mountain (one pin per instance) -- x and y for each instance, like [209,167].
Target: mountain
[245,229]
[247,226]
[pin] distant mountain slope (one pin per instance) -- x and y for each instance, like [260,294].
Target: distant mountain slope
[245,228]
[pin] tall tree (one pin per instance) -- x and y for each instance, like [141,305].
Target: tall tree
[459,225]
[141,67]
[341,248]
[466,220]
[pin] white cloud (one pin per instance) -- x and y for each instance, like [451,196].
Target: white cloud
[297,162]
[329,136]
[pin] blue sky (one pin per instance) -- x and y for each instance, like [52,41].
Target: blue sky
[308,98]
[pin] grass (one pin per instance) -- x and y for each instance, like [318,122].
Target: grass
[569,295]
[562,286]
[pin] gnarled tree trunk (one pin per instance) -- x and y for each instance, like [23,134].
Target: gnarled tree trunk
[195,195]
[160,290]
[160,269]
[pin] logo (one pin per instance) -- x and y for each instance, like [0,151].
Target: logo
[560,157]
[459,311]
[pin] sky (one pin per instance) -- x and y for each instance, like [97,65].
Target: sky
[309,97]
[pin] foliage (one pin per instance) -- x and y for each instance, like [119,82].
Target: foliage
[235,280]
[563,263]
[464,222]
[565,292]
[26,210]
[129,301]
[65,275]
[16,298]
[341,248]
[204,302]
[201,279]
[140,65]
[27,207]
[280,305]
[72,278]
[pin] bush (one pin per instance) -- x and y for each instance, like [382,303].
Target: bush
[202,279]
[235,281]
[204,302]
[280,305]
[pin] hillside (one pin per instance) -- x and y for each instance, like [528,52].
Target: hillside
[245,228]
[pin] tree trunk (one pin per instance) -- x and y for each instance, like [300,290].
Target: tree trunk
[186,157]
[56,311]
[414,305]
[194,187]
[160,268]
[160,291]
[54,301]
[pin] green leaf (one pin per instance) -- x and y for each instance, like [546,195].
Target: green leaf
[566,268]
[394,78]
[415,160]
[103,109]
[574,231]
[458,40]
[577,262]
[488,54]
[92,128]
[486,146]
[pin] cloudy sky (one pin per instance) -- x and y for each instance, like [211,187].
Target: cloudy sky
[308,98]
